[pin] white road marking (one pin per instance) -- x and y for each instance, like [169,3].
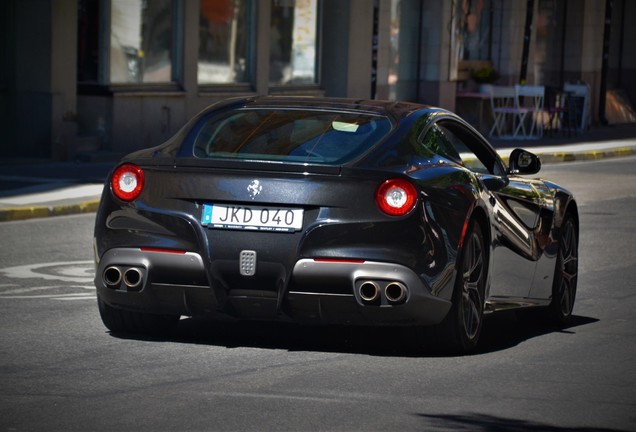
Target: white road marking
[86,297]
[51,296]
[30,289]
[79,272]
[69,275]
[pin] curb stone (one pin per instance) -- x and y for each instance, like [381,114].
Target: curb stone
[587,155]
[31,212]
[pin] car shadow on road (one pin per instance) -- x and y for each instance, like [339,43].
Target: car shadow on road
[506,330]
[501,331]
[481,422]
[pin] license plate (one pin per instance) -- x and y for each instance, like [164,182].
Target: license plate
[276,219]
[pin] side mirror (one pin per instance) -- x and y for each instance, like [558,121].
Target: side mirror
[523,162]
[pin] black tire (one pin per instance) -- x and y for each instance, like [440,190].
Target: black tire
[123,321]
[565,273]
[460,330]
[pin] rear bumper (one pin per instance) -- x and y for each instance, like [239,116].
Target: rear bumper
[318,291]
[417,307]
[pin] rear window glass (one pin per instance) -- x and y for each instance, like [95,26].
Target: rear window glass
[323,137]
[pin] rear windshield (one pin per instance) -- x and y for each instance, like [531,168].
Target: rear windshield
[323,137]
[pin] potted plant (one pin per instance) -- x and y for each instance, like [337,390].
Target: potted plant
[485,75]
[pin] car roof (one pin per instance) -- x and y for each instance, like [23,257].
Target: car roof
[394,109]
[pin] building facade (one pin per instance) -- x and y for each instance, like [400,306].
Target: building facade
[89,77]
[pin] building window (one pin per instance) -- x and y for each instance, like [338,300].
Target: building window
[223,36]
[404,48]
[141,41]
[293,42]
[88,41]
[475,21]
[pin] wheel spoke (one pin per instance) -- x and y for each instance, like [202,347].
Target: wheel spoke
[473,261]
[468,259]
[568,268]
[567,240]
[569,277]
[471,317]
[566,298]
[472,278]
[570,261]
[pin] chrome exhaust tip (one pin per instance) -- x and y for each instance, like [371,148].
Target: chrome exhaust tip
[369,291]
[112,276]
[132,278]
[395,292]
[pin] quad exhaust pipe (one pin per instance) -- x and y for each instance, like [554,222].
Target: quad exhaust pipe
[395,292]
[370,292]
[376,293]
[112,276]
[132,277]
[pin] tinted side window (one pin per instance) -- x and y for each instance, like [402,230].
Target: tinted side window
[475,154]
[437,141]
[468,158]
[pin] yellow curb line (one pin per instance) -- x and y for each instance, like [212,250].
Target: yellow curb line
[21,213]
[586,155]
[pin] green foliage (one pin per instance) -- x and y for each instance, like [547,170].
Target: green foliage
[485,75]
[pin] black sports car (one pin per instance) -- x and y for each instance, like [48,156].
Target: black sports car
[312,210]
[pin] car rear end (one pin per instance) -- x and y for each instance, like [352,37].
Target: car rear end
[272,221]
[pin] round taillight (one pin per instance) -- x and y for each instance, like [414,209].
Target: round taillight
[127,182]
[396,197]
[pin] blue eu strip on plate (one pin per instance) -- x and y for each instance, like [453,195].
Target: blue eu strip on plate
[206,217]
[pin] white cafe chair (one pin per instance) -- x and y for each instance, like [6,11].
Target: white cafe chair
[530,103]
[503,106]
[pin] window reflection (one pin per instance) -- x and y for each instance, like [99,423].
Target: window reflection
[320,136]
[293,42]
[403,51]
[475,23]
[141,41]
[223,33]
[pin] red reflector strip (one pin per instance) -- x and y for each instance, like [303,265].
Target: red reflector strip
[159,250]
[464,230]
[339,260]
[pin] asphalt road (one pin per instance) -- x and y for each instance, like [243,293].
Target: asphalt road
[61,370]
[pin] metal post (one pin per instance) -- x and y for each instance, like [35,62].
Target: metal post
[605,65]
[526,42]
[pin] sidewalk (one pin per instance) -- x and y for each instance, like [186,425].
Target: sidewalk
[41,188]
